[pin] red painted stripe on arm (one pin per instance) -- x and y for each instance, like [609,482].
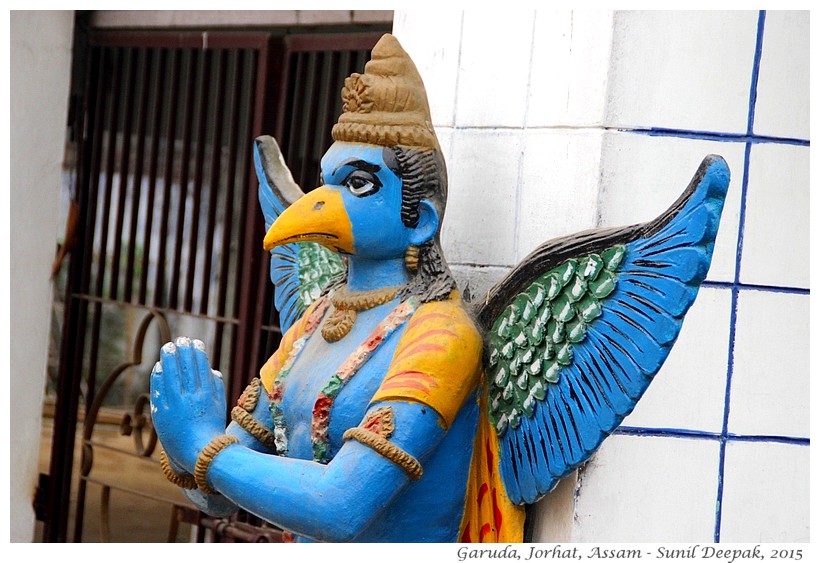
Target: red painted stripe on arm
[408,353]
[409,383]
[424,317]
[429,334]
[410,375]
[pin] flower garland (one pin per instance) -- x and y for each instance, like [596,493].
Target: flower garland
[280,431]
[351,366]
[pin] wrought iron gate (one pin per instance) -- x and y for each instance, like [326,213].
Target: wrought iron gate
[169,229]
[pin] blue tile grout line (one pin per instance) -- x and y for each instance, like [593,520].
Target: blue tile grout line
[756,287]
[761,24]
[716,136]
[719,136]
[729,372]
[724,434]
[704,435]
[778,439]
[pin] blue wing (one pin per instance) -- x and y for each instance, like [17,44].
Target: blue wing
[299,271]
[579,329]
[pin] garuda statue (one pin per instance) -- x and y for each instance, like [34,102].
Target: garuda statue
[393,410]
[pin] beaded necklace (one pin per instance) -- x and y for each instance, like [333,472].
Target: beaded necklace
[321,408]
[346,305]
[351,366]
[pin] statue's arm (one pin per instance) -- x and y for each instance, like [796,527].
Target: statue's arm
[252,427]
[333,502]
[337,501]
[434,370]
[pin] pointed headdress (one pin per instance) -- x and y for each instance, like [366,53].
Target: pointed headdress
[387,105]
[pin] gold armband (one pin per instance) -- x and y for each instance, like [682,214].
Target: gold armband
[184,481]
[388,450]
[250,396]
[206,457]
[252,426]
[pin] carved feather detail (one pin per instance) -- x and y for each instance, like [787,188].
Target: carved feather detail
[577,332]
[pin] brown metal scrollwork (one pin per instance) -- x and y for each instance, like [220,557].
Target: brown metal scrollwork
[135,424]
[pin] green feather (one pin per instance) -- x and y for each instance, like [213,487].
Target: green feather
[317,266]
[532,339]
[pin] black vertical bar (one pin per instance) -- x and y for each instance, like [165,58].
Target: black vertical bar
[247,265]
[156,134]
[213,181]
[324,119]
[291,152]
[253,271]
[111,148]
[139,164]
[110,159]
[269,67]
[307,121]
[124,169]
[282,135]
[188,105]
[199,157]
[262,280]
[61,464]
[233,134]
[96,138]
[362,57]
[344,61]
[160,297]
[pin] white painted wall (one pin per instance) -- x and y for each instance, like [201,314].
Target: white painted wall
[40,72]
[537,114]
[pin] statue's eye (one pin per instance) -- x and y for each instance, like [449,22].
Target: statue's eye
[362,183]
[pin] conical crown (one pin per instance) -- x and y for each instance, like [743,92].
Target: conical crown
[387,105]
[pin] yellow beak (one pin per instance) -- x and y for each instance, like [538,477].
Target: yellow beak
[318,216]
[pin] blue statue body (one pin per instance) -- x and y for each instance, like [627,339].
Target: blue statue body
[393,411]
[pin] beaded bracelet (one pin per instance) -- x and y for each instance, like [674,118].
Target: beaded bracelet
[184,481]
[253,427]
[206,456]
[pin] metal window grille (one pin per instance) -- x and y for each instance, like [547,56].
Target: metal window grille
[169,228]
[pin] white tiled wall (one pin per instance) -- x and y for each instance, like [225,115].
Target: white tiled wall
[480,220]
[681,70]
[783,85]
[553,160]
[766,493]
[437,60]
[775,245]
[570,56]
[648,490]
[770,386]
[558,121]
[493,81]
[641,176]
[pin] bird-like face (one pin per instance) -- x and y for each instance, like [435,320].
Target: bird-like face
[358,209]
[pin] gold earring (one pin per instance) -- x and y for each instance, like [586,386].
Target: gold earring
[411,258]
